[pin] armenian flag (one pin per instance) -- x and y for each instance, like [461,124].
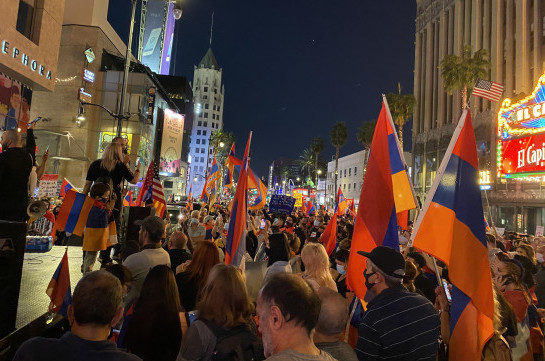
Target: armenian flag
[58,289]
[127,200]
[486,226]
[310,208]
[386,190]
[74,212]
[209,189]
[230,163]
[255,183]
[235,246]
[65,186]
[450,229]
[340,203]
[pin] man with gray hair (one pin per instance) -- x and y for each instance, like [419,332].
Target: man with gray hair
[15,167]
[398,325]
[331,324]
[97,306]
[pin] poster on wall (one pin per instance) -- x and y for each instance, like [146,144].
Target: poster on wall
[15,101]
[107,137]
[171,144]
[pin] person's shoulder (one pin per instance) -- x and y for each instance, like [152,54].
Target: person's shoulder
[338,350]
[36,346]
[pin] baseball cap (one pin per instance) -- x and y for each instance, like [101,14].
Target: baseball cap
[154,225]
[208,219]
[387,259]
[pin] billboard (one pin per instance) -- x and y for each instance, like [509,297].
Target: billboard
[171,144]
[15,102]
[158,28]
[521,135]
[169,38]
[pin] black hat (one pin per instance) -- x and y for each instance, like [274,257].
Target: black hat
[418,258]
[154,225]
[387,259]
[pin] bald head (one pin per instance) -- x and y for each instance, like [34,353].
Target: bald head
[333,312]
[11,139]
[178,240]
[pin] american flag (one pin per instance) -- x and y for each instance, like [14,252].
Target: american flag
[488,89]
[153,189]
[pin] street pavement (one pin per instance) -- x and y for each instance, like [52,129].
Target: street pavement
[38,268]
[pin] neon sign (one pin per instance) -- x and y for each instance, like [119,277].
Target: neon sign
[524,117]
[521,136]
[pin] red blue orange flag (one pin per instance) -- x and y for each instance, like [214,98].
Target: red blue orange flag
[235,246]
[486,226]
[74,212]
[351,208]
[304,208]
[65,186]
[386,190]
[450,228]
[310,208]
[58,289]
[255,183]
[329,237]
[230,163]
[127,200]
[340,203]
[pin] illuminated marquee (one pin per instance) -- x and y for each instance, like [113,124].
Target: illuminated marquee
[521,136]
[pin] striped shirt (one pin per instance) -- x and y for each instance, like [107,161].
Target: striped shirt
[398,325]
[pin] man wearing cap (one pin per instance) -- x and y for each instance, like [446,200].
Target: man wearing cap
[398,324]
[195,231]
[152,254]
[422,283]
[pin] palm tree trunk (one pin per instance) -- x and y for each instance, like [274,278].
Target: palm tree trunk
[336,171]
[316,170]
[400,131]
[464,98]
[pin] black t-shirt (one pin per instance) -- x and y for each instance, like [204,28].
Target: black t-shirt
[187,288]
[119,173]
[15,167]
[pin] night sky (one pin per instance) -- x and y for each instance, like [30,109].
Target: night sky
[293,68]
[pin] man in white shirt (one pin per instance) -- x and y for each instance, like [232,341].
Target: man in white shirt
[152,254]
[196,232]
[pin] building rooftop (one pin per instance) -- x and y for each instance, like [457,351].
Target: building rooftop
[209,60]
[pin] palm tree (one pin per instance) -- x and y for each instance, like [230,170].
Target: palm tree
[317,146]
[306,162]
[365,133]
[461,72]
[401,108]
[221,143]
[338,136]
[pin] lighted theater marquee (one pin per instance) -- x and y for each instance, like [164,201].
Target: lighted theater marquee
[521,136]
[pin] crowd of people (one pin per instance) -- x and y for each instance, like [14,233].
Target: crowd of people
[171,296]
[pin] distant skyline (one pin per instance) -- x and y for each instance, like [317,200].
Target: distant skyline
[291,70]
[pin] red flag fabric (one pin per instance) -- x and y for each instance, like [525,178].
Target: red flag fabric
[58,288]
[235,246]
[329,237]
[153,189]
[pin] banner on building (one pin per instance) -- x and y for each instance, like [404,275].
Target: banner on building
[15,102]
[171,144]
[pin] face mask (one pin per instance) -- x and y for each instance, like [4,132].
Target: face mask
[316,223]
[539,257]
[368,285]
[226,227]
[340,269]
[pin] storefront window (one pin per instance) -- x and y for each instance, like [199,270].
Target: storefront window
[507,218]
[25,17]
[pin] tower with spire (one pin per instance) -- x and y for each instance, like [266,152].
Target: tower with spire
[208,93]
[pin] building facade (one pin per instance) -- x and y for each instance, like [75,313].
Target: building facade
[512,32]
[91,60]
[29,46]
[351,170]
[208,94]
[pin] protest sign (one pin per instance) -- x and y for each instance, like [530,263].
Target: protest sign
[281,204]
[48,186]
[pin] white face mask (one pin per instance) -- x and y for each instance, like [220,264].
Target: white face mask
[539,257]
[340,269]
[316,223]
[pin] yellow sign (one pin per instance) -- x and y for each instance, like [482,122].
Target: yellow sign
[107,137]
[298,199]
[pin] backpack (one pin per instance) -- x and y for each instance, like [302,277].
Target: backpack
[235,344]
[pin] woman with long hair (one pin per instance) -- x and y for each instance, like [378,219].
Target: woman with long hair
[341,264]
[316,261]
[191,281]
[224,305]
[112,169]
[154,330]
[278,254]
